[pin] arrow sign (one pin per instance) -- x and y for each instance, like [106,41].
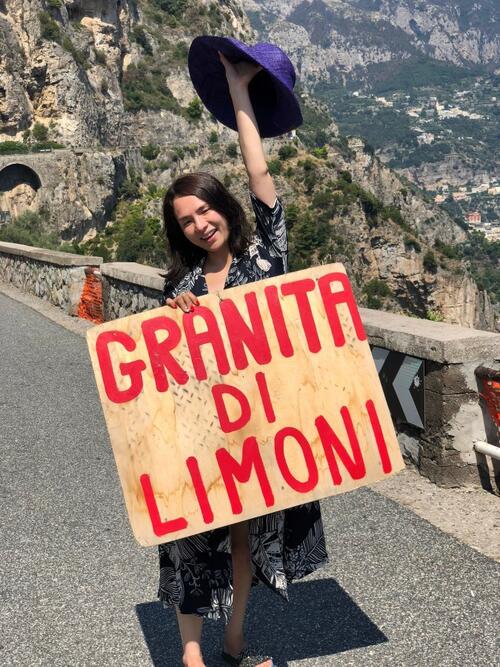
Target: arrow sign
[402,379]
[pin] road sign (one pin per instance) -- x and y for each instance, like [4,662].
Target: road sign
[402,378]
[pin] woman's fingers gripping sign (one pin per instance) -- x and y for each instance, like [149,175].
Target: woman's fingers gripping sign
[185,301]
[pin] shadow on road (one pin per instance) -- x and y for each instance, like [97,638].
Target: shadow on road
[321,619]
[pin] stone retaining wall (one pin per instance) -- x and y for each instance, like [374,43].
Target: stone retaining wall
[454,415]
[129,288]
[57,277]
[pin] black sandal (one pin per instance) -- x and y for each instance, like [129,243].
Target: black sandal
[245,660]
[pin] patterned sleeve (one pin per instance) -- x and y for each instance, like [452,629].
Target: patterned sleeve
[271,225]
[168,293]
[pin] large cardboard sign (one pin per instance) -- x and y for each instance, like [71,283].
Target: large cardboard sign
[264,397]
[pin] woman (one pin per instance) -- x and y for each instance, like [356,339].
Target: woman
[211,574]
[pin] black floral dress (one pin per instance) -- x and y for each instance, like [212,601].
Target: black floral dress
[196,572]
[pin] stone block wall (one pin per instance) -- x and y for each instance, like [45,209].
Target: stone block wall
[129,288]
[454,415]
[57,277]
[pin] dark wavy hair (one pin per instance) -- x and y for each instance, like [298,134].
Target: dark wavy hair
[185,255]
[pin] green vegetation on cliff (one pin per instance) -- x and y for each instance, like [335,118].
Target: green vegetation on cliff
[30,228]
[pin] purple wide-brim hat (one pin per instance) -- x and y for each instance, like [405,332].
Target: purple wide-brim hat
[271,90]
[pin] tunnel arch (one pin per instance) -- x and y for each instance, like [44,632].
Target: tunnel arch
[15,174]
[19,189]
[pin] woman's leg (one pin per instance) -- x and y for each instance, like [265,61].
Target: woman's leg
[242,583]
[190,627]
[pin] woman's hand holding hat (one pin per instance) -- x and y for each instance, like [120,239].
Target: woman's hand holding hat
[240,73]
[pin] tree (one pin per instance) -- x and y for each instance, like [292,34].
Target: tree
[40,132]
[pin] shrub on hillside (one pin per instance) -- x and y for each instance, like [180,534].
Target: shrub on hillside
[100,57]
[172,7]
[287,151]
[144,87]
[274,167]
[375,291]
[430,263]
[30,228]
[322,199]
[49,28]
[180,52]
[150,151]
[130,187]
[80,57]
[376,287]
[12,147]
[452,252]
[321,153]
[345,175]
[140,37]
[412,243]
[194,109]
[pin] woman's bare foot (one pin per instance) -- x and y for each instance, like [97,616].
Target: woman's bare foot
[193,660]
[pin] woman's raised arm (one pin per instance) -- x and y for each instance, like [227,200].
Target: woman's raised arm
[260,180]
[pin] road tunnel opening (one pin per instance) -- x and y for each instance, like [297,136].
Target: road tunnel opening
[18,174]
[19,186]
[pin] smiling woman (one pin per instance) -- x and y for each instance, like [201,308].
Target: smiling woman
[213,248]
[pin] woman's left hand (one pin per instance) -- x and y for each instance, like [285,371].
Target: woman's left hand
[240,73]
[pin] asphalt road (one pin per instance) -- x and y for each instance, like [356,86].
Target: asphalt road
[75,588]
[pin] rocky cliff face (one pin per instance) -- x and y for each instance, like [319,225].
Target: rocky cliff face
[107,78]
[63,63]
[338,40]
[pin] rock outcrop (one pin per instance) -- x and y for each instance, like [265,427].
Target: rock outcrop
[339,39]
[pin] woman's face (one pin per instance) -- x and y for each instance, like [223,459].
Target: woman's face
[200,224]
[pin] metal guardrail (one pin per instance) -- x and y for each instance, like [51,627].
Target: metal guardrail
[487,449]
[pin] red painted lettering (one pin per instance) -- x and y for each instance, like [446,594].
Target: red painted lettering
[230,468]
[160,527]
[133,368]
[196,339]
[274,305]
[279,447]
[355,466]
[379,437]
[260,378]
[240,334]
[159,352]
[299,289]
[331,301]
[218,391]
[199,488]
